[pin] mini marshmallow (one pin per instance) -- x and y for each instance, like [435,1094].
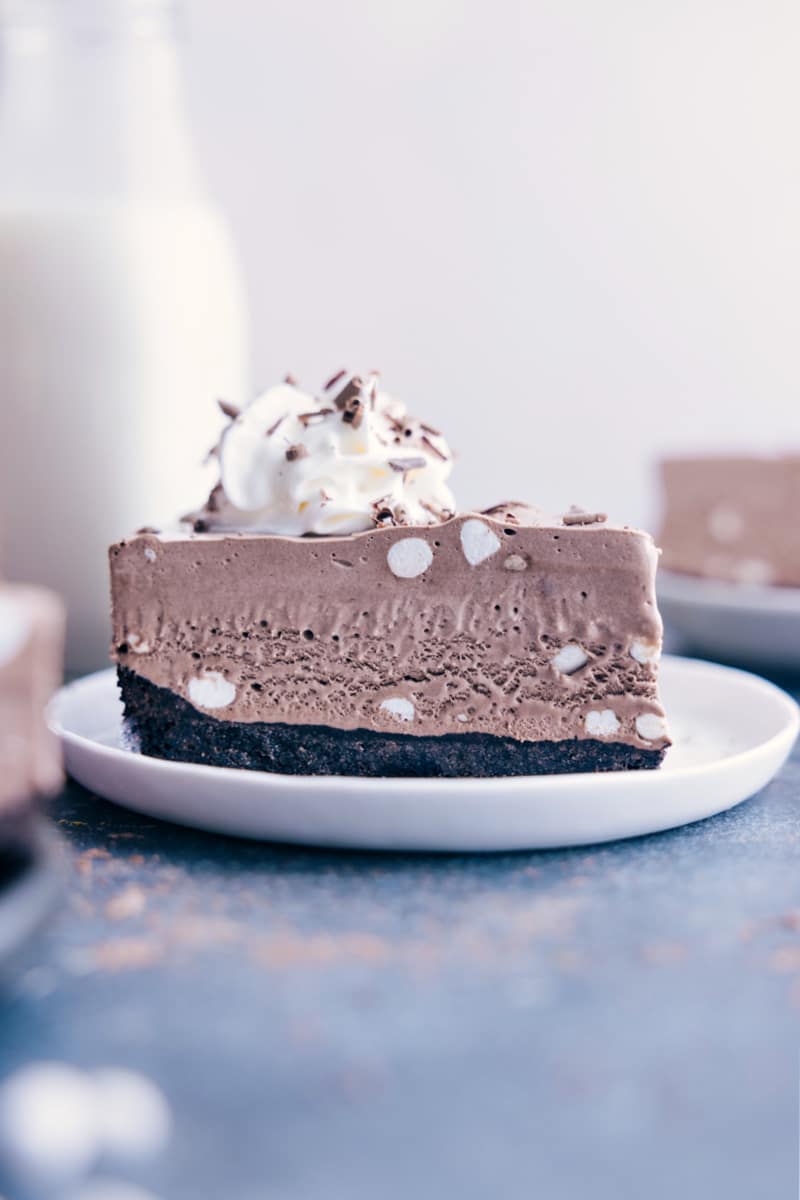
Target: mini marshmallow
[409,557]
[150,554]
[138,644]
[645,652]
[135,1120]
[651,727]
[399,707]
[570,659]
[515,562]
[753,570]
[49,1136]
[724,524]
[462,717]
[478,541]
[602,723]
[211,690]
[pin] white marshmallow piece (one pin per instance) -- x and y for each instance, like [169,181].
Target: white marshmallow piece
[570,659]
[138,644]
[645,652]
[602,723]
[135,1120]
[211,690]
[478,541]
[754,570]
[409,557]
[724,524]
[49,1136]
[399,707]
[651,727]
[150,554]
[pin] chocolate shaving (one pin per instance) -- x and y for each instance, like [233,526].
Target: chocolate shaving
[272,428]
[290,379]
[426,441]
[349,402]
[387,513]
[407,464]
[350,391]
[441,514]
[148,529]
[335,379]
[295,452]
[230,410]
[212,504]
[429,429]
[354,415]
[577,516]
[314,418]
[199,525]
[505,510]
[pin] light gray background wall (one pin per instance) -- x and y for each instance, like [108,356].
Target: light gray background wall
[566,230]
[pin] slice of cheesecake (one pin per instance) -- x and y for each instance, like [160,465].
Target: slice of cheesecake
[733,518]
[498,643]
[31,651]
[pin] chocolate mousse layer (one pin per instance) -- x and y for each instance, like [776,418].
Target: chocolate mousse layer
[31,651]
[733,518]
[494,643]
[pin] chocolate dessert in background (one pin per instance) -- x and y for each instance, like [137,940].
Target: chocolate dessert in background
[31,656]
[328,613]
[733,518]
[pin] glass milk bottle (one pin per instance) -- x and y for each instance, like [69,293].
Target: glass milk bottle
[122,314]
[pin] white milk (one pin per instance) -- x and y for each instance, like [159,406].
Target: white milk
[118,329]
[122,315]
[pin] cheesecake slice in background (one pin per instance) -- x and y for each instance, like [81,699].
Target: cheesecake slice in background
[733,518]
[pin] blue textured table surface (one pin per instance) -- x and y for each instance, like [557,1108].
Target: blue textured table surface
[616,1021]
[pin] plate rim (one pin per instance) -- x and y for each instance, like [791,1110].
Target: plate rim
[678,587]
[451,786]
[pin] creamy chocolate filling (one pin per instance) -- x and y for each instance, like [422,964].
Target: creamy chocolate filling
[505,623]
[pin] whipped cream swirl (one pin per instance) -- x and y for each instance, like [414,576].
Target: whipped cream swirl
[344,462]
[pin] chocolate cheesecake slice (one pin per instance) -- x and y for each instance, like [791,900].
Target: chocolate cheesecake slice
[31,652]
[327,612]
[499,643]
[733,518]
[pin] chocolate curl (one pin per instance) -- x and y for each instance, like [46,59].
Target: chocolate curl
[576,516]
[230,410]
[350,403]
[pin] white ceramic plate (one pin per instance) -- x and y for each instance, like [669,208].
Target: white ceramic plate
[732,733]
[734,621]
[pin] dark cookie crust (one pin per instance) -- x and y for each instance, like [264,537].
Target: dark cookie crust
[166,726]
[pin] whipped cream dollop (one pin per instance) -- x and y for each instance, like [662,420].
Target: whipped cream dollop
[345,461]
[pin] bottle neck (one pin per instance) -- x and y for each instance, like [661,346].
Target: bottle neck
[91,105]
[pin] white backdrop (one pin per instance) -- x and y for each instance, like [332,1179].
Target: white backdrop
[567,231]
